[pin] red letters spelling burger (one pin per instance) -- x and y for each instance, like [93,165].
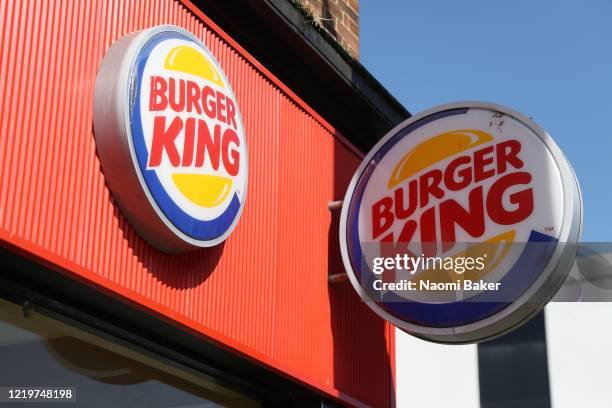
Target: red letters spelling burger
[479,169]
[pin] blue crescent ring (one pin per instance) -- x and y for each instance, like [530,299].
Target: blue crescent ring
[197,229]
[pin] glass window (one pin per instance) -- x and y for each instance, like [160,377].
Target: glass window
[36,351]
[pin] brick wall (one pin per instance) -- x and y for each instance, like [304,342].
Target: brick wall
[340,18]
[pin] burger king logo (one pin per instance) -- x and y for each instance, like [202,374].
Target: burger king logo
[471,181]
[170,139]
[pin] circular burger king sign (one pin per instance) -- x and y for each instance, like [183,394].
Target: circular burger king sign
[461,223]
[170,139]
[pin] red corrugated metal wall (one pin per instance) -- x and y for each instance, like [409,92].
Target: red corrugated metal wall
[263,293]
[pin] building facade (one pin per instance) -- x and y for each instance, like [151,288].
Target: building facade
[87,303]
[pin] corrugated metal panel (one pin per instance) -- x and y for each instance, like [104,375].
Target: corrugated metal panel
[265,291]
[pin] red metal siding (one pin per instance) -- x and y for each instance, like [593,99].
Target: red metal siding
[264,292]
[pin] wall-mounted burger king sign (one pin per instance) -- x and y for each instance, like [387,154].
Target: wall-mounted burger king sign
[461,223]
[170,139]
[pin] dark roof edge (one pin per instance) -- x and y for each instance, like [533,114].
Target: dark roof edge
[347,67]
[312,64]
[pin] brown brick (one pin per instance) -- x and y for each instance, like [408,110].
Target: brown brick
[347,34]
[344,24]
[354,27]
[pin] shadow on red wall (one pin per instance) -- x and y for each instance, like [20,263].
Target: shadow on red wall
[178,271]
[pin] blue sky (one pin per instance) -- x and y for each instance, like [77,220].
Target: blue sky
[551,60]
